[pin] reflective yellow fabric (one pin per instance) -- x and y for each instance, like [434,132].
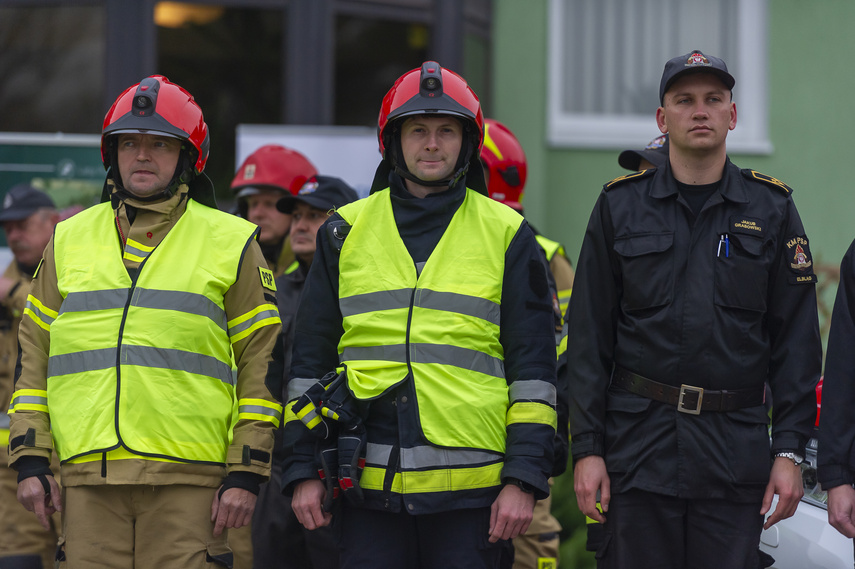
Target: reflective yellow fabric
[145,364]
[443,323]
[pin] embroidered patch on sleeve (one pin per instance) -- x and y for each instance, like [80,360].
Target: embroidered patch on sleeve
[798,255]
[267,280]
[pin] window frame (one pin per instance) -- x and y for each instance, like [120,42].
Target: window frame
[618,131]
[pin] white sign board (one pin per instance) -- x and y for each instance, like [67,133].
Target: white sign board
[347,152]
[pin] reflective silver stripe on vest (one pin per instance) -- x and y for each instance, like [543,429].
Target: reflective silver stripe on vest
[130,249]
[424,298]
[377,455]
[532,390]
[297,386]
[375,301]
[180,301]
[259,410]
[421,457]
[429,354]
[94,300]
[79,362]
[91,360]
[237,329]
[460,303]
[5,420]
[43,316]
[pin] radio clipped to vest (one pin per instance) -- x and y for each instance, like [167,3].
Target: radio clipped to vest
[325,405]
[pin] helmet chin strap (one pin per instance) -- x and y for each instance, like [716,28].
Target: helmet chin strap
[462,166]
[183,174]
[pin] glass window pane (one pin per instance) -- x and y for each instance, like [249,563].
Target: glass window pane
[52,69]
[231,60]
[370,55]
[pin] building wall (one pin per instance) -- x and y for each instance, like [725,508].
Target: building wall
[810,91]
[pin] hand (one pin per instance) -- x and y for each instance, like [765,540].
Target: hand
[590,475]
[785,480]
[841,509]
[511,513]
[31,494]
[233,510]
[307,504]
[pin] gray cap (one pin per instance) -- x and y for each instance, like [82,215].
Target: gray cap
[320,192]
[22,201]
[693,62]
[656,152]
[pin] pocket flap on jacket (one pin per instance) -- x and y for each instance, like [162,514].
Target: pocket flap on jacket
[635,245]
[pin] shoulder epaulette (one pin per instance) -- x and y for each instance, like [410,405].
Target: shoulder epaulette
[768,180]
[634,176]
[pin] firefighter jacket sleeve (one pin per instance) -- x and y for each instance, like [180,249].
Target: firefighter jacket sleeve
[595,299]
[254,328]
[314,353]
[528,338]
[30,423]
[836,429]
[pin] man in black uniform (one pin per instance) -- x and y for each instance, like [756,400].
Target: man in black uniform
[694,286]
[836,470]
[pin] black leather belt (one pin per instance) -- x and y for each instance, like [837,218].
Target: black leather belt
[688,398]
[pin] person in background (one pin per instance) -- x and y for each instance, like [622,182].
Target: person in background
[694,287]
[654,155]
[426,330]
[269,173]
[28,218]
[506,170]
[150,315]
[280,541]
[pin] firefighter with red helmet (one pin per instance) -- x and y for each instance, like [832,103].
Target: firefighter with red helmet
[140,309]
[268,174]
[426,327]
[506,168]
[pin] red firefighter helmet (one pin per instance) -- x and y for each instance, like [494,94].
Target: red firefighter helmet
[275,167]
[157,106]
[504,160]
[430,90]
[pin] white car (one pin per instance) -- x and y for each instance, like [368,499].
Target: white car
[807,540]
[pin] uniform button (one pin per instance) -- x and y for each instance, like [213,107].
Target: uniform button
[411,507]
[404,399]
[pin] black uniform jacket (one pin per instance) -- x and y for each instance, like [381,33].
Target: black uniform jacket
[724,300]
[836,425]
[527,335]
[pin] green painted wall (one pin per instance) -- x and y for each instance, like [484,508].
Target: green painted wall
[811,80]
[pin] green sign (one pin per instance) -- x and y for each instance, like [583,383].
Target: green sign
[65,166]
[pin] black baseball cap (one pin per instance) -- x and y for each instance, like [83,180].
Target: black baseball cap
[321,192]
[693,62]
[656,152]
[22,201]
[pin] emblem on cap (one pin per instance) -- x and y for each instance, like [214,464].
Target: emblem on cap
[249,172]
[308,188]
[698,59]
[7,201]
[656,143]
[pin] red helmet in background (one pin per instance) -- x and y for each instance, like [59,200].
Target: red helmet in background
[273,167]
[157,106]
[430,90]
[504,160]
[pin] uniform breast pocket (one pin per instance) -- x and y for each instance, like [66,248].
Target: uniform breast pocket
[742,273]
[647,269]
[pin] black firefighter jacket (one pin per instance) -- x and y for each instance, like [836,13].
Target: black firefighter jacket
[724,300]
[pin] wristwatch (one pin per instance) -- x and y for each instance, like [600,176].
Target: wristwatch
[797,459]
[525,487]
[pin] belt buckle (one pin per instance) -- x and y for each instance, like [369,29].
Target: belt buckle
[690,390]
